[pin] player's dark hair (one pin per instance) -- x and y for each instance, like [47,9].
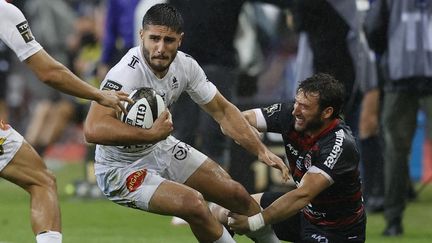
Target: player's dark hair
[331,91]
[165,15]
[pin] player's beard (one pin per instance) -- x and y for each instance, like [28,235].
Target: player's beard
[312,125]
[157,67]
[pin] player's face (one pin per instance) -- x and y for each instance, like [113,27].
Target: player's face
[159,47]
[307,113]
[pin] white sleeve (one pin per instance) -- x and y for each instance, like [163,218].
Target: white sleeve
[261,122]
[315,170]
[200,89]
[15,32]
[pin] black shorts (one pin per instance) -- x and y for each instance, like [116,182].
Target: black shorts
[298,229]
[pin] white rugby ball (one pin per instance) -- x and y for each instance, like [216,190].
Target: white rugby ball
[146,109]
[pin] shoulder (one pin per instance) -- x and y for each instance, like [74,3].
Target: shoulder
[341,136]
[185,60]
[339,144]
[10,14]
[126,74]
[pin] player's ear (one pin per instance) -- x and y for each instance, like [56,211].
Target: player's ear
[327,112]
[141,34]
[181,39]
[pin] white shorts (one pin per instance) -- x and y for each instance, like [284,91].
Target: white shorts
[10,142]
[134,184]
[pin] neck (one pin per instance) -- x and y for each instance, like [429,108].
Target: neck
[316,132]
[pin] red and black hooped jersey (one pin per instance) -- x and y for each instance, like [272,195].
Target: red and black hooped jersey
[335,153]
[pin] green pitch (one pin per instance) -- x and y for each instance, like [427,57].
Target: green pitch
[101,221]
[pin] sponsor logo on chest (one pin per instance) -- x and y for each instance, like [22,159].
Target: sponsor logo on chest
[336,150]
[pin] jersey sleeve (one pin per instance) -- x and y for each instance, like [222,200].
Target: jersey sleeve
[337,154]
[199,88]
[15,32]
[278,117]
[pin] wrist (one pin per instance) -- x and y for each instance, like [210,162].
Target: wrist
[98,95]
[256,222]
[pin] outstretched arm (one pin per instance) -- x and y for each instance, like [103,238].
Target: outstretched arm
[56,75]
[236,127]
[284,207]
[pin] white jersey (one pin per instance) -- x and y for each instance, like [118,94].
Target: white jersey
[131,73]
[15,31]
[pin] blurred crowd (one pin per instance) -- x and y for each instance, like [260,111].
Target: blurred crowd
[254,52]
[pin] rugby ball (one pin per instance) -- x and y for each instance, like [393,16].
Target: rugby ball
[146,109]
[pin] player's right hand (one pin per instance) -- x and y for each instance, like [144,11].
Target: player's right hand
[162,126]
[275,161]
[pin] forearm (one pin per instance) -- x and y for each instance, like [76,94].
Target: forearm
[64,80]
[285,207]
[239,129]
[107,130]
[56,75]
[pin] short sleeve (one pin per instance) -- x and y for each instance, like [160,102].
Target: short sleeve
[278,117]
[15,32]
[199,88]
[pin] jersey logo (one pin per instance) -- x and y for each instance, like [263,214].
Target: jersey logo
[336,151]
[133,62]
[307,161]
[292,149]
[111,85]
[175,83]
[180,151]
[320,238]
[24,30]
[270,110]
[2,140]
[134,180]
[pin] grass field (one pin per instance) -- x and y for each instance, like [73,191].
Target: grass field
[100,221]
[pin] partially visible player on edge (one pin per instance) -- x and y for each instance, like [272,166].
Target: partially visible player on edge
[19,162]
[150,170]
[327,204]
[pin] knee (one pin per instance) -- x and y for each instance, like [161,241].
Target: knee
[238,195]
[46,179]
[195,208]
[50,179]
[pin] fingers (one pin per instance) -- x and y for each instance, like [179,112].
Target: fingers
[283,168]
[124,97]
[122,109]
[285,172]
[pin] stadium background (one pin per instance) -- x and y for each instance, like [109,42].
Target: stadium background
[89,218]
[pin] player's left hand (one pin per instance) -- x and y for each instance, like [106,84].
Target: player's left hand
[238,223]
[275,161]
[113,99]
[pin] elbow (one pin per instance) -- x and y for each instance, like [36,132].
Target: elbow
[52,75]
[89,134]
[49,77]
[46,78]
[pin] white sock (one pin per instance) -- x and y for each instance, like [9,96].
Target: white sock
[49,237]
[225,238]
[264,235]
[219,212]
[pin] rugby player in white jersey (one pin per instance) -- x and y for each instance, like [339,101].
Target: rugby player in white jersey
[150,170]
[19,162]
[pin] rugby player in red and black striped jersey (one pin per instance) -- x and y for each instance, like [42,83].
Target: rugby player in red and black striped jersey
[326,205]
